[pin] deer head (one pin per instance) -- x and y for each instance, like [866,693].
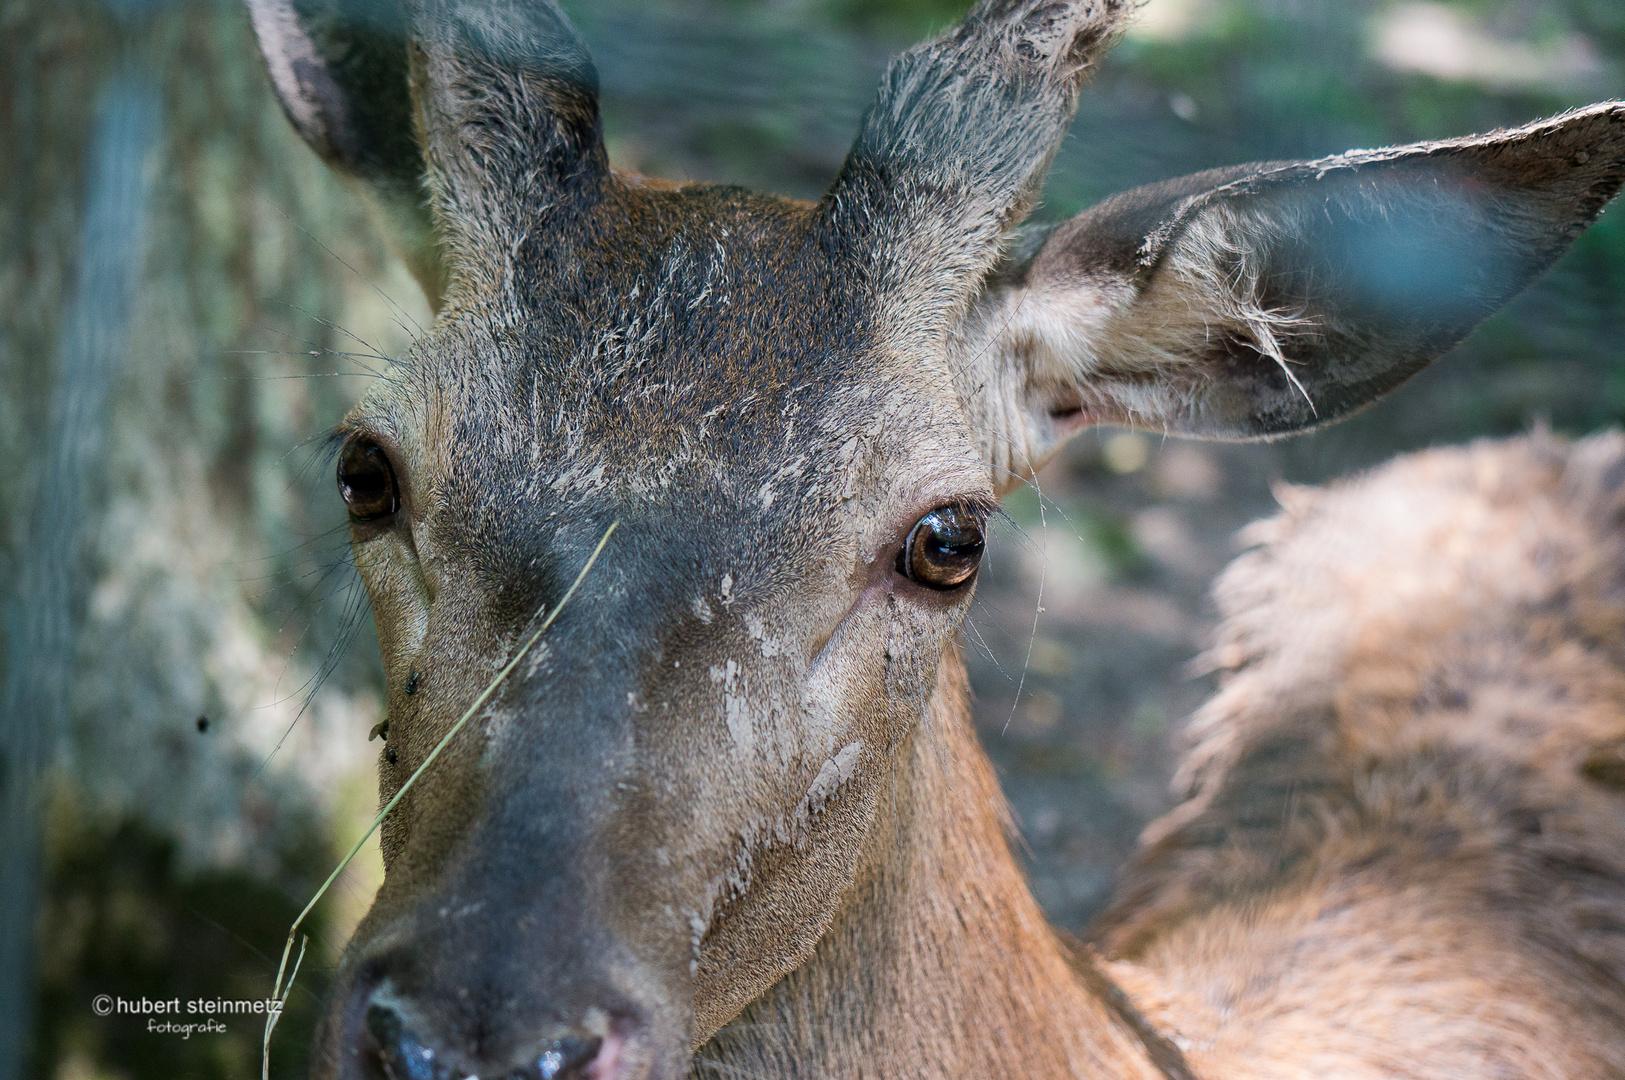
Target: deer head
[800,414]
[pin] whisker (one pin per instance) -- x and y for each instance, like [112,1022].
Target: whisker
[981,643]
[349,622]
[273,586]
[328,535]
[390,300]
[316,346]
[282,378]
[318,349]
[333,326]
[1038,608]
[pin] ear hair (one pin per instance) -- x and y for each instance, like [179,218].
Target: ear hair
[1260,300]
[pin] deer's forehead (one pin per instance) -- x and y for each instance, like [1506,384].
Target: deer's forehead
[694,354]
[729,488]
[539,430]
[707,379]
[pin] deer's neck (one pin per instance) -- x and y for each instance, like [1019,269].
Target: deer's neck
[940,964]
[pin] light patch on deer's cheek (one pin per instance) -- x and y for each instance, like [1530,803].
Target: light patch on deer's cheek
[840,685]
[762,726]
[833,775]
[736,710]
[756,627]
[801,839]
[794,826]
[858,702]
[838,748]
[873,679]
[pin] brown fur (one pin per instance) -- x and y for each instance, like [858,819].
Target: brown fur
[1393,858]
[940,962]
[1402,852]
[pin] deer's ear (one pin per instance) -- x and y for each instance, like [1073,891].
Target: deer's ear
[1260,300]
[506,95]
[340,70]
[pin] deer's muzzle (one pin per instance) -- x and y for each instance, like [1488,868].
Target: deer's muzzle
[527,929]
[455,1008]
[389,1048]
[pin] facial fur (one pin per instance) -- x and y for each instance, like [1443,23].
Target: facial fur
[752,465]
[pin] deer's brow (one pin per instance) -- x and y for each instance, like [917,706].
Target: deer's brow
[371,423]
[329,444]
[981,504]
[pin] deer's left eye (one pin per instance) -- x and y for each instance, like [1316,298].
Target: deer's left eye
[367,481]
[943,549]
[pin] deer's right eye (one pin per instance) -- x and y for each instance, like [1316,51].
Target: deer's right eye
[367,481]
[943,549]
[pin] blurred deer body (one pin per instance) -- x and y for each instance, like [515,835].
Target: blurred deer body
[1403,834]
[731,804]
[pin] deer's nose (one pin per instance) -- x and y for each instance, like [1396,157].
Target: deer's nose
[396,1052]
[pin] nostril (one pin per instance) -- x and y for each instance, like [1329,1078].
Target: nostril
[565,1059]
[390,1044]
[401,1054]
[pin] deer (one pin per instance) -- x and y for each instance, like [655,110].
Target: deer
[728,816]
[1399,848]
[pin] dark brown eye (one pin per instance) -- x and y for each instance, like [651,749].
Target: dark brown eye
[367,481]
[943,549]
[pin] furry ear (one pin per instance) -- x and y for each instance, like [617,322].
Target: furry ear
[339,68]
[955,147]
[507,105]
[1265,299]
[492,107]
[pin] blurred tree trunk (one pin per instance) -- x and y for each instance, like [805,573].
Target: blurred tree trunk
[168,342]
[47,598]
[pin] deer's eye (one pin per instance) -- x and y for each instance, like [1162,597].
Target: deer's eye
[367,481]
[943,549]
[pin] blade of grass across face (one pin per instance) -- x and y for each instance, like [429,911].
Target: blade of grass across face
[280,991]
